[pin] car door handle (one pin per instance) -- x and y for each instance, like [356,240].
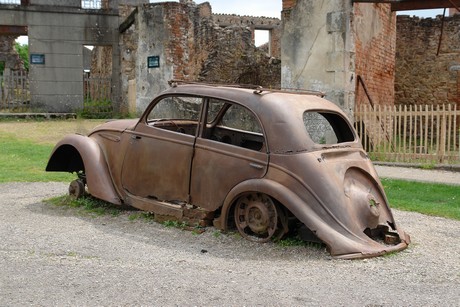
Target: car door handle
[255,165]
[135,137]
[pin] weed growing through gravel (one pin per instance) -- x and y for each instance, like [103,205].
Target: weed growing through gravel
[88,204]
[147,216]
[175,224]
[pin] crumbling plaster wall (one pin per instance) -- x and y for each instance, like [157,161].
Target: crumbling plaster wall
[317,49]
[326,44]
[422,76]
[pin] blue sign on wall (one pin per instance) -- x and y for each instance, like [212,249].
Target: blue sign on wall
[153,61]
[37,58]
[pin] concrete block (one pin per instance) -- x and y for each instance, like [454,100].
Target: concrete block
[336,22]
[51,88]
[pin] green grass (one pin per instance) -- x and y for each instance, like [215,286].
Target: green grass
[88,204]
[431,199]
[25,161]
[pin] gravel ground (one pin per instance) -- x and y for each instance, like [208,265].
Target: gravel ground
[59,256]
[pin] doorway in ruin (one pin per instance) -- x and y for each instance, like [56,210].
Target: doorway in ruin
[97,81]
[14,67]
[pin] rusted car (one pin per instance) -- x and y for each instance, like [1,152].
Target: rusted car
[261,161]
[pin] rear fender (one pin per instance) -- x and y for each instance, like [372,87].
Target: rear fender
[76,153]
[340,243]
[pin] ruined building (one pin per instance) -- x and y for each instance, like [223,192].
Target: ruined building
[125,51]
[340,48]
[104,50]
[183,40]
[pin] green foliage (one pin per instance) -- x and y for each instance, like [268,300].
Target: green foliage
[96,109]
[147,216]
[175,224]
[431,199]
[23,51]
[88,204]
[25,161]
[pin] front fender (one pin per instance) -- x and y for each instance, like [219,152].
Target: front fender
[80,153]
[341,243]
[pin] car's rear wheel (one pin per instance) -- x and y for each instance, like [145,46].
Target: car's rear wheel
[77,188]
[258,218]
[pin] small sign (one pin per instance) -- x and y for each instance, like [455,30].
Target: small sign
[153,61]
[37,58]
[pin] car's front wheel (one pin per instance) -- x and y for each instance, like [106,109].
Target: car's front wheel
[77,188]
[258,218]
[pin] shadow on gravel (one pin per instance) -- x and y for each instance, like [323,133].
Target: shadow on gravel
[210,243]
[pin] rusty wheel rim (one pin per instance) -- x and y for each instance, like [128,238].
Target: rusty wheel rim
[256,217]
[76,189]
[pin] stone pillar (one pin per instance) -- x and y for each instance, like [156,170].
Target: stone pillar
[318,49]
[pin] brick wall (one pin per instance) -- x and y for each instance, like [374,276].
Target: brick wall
[375,43]
[288,4]
[422,76]
[200,49]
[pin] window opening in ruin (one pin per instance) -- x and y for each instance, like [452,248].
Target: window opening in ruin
[261,37]
[18,2]
[262,40]
[91,4]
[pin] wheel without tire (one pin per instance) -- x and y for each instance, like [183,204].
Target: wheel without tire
[77,188]
[259,219]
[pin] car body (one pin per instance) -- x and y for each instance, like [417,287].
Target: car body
[261,161]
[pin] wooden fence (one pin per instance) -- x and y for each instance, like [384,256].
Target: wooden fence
[415,134]
[14,91]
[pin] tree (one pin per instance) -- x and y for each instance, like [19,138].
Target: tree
[23,51]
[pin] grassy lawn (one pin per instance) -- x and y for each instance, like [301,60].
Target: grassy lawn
[427,198]
[26,146]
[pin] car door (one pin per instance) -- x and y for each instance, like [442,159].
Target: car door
[230,150]
[158,161]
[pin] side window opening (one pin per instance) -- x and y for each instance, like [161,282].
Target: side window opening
[233,124]
[176,113]
[327,128]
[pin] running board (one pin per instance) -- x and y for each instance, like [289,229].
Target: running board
[155,206]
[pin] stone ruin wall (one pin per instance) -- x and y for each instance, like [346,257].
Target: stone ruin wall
[375,47]
[202,49]
[192,47]
[255,23]
[128,52]
[422,76]
[8,53]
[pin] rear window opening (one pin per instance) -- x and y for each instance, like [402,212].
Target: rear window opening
[327,128]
